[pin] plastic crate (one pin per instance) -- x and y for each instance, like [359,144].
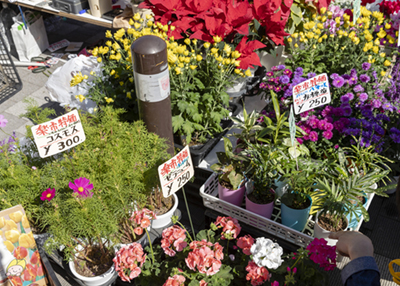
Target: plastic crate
[209,193]
[10,82]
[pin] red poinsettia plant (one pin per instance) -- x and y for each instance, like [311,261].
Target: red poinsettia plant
[226,19]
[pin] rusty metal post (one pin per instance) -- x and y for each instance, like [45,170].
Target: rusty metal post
[150,69]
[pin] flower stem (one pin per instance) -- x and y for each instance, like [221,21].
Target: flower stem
[151,246]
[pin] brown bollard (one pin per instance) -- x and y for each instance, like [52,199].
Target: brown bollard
[150,70]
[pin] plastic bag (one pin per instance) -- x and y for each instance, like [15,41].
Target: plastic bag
[59,86]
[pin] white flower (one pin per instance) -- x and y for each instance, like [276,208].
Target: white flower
[266,253]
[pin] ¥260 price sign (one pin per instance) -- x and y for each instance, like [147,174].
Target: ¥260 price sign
[311,94]
[58,135]
[176,172]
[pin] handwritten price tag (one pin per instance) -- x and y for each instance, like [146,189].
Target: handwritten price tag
[59,134]
[311,93]
[176,172]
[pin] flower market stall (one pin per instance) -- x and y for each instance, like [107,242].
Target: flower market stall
[298,157]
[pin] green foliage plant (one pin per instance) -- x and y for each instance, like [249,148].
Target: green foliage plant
[230,167]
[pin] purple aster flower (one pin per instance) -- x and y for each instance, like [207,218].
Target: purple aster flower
[387,106]
[304,114]
[337,111]
[327,111]
[313,122]
[365,78]
[367,113]
[344,98]
[311,74]
[347,110]
[378,129]
[358,88]
[277,88]
[270,74]
[366,66]
[334,75]
[375,75]
[338,82]
[284,79]
[313,136]
[383,117]
[327,134]
[363,97]
[379,92]
[82,187]
[287,72]
[329,126]
[3,121]
[280,67]
[299,71]
[352,80]
[395,137]
[263,85]
[395,130]
[322,124]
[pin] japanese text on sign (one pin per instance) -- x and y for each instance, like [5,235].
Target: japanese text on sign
[176,172]
[59,134]
[311,93]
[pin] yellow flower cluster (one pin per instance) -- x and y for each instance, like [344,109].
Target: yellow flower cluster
[78,78]
[317,31]
[11,233]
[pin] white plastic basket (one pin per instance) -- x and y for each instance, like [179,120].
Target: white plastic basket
[209,192]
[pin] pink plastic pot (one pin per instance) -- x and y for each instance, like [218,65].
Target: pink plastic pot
[235,197]
[264,210]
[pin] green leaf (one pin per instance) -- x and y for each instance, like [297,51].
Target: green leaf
[177,122]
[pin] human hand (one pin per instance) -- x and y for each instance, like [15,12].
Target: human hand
[353,244]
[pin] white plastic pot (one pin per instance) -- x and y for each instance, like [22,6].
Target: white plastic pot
[165,219]
[103,279]
[319,232]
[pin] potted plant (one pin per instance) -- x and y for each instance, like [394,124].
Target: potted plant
[218,256]
[296,201]
[231,179]
[262,173]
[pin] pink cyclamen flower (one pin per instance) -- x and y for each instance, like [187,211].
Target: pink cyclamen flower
[323,254]
[128,261]
[245,243]
[176,280]
[173,239]
[230,227]
[3,121]
[48,194]
[82,187]
[256,274]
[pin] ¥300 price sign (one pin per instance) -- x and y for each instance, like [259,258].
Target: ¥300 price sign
[58,135]
[311,93]
[176,172]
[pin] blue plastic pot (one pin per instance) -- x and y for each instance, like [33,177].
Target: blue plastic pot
[353,222]
[295,218]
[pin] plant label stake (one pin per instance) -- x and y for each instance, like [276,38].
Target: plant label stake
[58,135]
[150,70]
[311,93]
[292,130]
[175,173]
[357,10]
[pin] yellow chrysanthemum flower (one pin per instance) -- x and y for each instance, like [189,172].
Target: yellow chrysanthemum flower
[78,78]
[375,49]
[99,60]
[136,17]
[214,50]
[322,10]
[382,55]
[108,34]
[237,71]
[383,73]
[108,100]
[247,72]
[129,95]
[217,39]
[381,33]
[187,41]
[192,67]
[148,16]
[199,58]
[387,63]
[80,97]
[178,70]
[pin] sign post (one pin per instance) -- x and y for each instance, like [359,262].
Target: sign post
[175,173]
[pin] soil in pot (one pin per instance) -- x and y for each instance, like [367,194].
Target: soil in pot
[268,198]
[296,201]
[97,266]
[128,239]
[326,221]
[160,205]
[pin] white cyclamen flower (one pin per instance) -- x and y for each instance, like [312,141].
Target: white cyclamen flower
[266,253]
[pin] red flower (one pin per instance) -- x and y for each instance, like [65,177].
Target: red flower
[20,253]
[248,57]
[324,3]
[30,272]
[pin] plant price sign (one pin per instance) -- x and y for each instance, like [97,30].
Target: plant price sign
[176,172]
[311,93]
[59,134]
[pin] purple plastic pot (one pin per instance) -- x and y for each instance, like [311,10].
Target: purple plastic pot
[264,210]
[235,197]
